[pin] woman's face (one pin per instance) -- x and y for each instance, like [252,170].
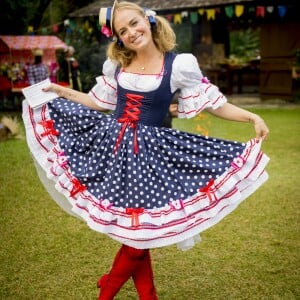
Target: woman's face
[133,29]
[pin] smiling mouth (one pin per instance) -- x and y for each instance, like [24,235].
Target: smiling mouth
[137,38]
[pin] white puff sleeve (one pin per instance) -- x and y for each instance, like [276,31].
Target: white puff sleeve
[196,93]
[104,93]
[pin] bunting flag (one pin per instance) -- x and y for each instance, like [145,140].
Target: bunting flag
[239,10]
[260,11]
[211,14]
[229,11]
[169,17]
[201,11]
[73,25]
[194,17]
[177,19]
[66,22]
[184,14]
[282,10]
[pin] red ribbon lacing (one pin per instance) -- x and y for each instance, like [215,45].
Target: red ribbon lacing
[130,118]
[48,126]
[77,187]
[207,190]
[134,212]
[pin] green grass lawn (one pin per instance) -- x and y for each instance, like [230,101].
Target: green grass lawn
[252,254]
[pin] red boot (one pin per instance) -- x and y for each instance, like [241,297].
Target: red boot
[125,262]
[143,279]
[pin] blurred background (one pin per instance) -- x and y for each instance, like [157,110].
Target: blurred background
[244,47]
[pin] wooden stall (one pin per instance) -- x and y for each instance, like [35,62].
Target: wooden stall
[279,41]
[16,54]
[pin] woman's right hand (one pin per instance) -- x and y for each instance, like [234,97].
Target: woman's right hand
[56,88]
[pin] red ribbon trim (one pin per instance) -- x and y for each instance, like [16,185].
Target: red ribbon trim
[48,126]
[207,190]
[77,187]
[134,212]
[130,118]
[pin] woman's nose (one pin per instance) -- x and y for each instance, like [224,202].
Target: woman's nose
[131,31]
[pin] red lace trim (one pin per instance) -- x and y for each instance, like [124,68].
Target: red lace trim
[130,118]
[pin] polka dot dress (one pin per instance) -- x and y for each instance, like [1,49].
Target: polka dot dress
[169,165]
[141,184]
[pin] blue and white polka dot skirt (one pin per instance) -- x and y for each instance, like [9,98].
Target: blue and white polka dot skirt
[147,187]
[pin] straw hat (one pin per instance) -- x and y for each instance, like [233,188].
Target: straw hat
[105,16]
[37,52]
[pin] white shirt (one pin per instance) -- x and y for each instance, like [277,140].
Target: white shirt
[195,92]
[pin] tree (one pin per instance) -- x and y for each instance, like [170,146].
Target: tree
[17,15]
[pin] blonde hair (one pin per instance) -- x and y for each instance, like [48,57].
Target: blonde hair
[162,33]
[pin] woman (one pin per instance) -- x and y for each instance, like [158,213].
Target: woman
[141,184]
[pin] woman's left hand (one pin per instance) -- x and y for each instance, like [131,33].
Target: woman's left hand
[261,129]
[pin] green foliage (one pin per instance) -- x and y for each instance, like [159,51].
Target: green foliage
[17,15]
[244,45]
[55,13]
[252,254]
[183,37]
[90,52]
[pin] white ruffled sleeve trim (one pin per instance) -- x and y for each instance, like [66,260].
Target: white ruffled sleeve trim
[196,93]
[104,93]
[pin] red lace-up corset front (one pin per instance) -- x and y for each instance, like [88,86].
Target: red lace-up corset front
[130,118]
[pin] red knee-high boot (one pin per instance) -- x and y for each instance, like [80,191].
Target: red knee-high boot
[125,262]
[143,279]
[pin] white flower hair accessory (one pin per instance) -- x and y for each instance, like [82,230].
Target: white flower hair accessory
[151,16]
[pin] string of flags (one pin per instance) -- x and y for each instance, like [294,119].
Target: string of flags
[230,11]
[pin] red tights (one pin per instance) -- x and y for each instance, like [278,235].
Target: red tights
[129,262]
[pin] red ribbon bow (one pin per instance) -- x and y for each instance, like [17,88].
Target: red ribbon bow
[206,190]
[134,212]
[77,187]
[130,118]
[48,126]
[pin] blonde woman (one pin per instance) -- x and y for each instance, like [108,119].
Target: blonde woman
[126,176]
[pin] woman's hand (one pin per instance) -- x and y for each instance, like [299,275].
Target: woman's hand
[260,128]
[73,95]
[53,87]
[231,112]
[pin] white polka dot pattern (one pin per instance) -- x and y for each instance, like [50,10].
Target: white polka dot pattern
[170,164]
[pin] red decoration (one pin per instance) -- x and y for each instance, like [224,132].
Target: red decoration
[134,212]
